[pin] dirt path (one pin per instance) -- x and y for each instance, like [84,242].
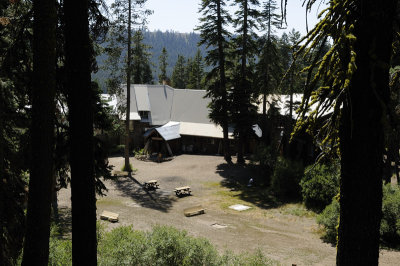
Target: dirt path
[278,231]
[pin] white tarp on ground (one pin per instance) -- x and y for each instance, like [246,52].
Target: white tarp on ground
[239,207]
[169,131]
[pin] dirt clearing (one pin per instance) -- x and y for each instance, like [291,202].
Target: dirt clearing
[287,233]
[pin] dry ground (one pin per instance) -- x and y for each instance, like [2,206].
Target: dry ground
[284,232]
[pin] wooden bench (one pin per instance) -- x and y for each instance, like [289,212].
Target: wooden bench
[182,191]
[110,216]
[196,210]
[151,184]
[120,173]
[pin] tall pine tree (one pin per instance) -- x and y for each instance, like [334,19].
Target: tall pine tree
[141,69]
[178,78]
[244,110]
[195,72]
[163,64]
[128,13]
[355,75]
[268,68]
[36,246]
[215,36]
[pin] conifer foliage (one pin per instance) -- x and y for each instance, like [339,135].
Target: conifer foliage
[216,39]
[243,94]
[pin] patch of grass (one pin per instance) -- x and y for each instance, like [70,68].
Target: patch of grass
[228,198]
[296,209]
[108,202]
[133,170]
[212,184]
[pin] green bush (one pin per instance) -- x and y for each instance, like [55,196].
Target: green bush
[390,224]
[319,185]
[169,246]
[164,245]
[60,252]
[329,218]
[122,246]
[286,178]
[255,259]
[129,169]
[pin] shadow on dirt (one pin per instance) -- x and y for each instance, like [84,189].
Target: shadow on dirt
[237,179]
[154,199]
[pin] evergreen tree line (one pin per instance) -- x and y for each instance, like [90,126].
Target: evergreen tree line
[175,43]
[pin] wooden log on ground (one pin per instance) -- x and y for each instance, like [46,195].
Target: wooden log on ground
[110,216]
[196,210]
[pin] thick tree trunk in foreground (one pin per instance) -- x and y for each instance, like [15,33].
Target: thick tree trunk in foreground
[361,136]
[77,49]
[36,246]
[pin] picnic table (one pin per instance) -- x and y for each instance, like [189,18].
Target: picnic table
[180,191]
[151,184]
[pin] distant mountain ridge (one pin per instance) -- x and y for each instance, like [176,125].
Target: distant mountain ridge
[174,42]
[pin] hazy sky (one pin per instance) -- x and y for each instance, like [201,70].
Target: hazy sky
[182,15]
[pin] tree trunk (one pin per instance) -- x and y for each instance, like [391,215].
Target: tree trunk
[361,136]
[77,54]
[2,183]
[225,128]
[36,246]
[128,91]
[242,86]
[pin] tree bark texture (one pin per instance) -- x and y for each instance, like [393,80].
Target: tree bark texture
[36,246]
[77,54]
[361,135]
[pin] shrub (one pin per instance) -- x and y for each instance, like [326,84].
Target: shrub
[122,246]
[319,185]
[60,251]
[255,259]
[390,224]
[329,218]
[169,246]
[129,169]
[286,178]
[164,245]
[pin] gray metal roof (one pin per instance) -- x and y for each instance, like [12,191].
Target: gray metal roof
[133,106]
[142,97]
[190,106]
[161,98]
